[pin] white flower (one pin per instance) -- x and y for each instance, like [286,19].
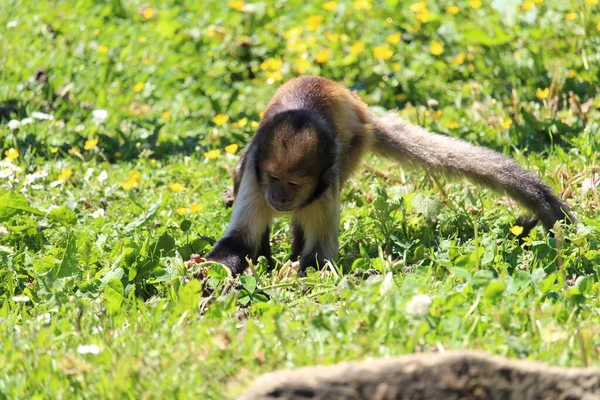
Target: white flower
[21,299]
[99,116]
[30,178]
[42,116]
[88,174]
[57,183]
[27,121]
[11,24]
[88,349]
[13,124]
[6,173]
[98,213]
[590,183]
[103,176]
[37,187]
[419,305]
[45,318]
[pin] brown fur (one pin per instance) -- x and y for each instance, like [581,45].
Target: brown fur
[312,137]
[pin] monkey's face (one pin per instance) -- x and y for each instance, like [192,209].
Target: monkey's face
[285,191]
[295,153]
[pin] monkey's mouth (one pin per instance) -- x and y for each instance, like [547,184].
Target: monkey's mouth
[281,207]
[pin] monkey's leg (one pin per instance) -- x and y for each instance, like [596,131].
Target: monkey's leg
[247,229]
[297,241]
[319,223]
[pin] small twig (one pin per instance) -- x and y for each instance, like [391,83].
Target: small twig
[382,175]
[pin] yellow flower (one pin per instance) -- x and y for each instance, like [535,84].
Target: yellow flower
[419,7]
[176,187]
[74,151]
[571,16]
[436,48]
[313,22]
[302,65]
[90,144]
[12,154]
[181,211]
[330,5]
[475,4]
[212,154]
[507,123]
[220,119]
[273,64]
[139,87]
[102,49]
[438,114]
[142,39]
[516,230]
[296,45]
[422,17]
[236,4]
[470,68]
[459,59]
[274,76]
[572,73]
[357,48]
[65,174]
[322,56]
[148,13]
[53,149]
[133,180]
[166,115]
[241,123]
[382,52]
[394,38]
[591,2]
[527,5]
[232,148]
[470,57]
[452,10]
[195,208]
[542,94]
[332,37]
[362,4]
[598,26]
[453,125]
[293,32]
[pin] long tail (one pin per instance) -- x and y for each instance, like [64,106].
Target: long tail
[413,146]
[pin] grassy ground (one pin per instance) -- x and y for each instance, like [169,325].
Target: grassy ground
[102,206]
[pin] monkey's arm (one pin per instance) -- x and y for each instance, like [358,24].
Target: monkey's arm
[248,231]
[412,145]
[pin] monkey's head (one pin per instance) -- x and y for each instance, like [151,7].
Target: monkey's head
[296,158]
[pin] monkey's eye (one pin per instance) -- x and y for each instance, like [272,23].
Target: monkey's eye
[294,184]
[276,179]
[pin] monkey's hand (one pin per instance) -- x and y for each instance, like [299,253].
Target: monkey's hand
[228,196]
[231,252]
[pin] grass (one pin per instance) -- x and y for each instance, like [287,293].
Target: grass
[101,212]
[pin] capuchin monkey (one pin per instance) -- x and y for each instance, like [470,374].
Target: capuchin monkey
[312,137]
